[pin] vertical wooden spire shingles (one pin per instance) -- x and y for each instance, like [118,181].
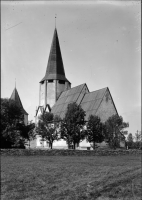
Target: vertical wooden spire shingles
[55,67]
[16,98]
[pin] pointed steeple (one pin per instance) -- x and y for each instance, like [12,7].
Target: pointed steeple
[55,67]
[16,98]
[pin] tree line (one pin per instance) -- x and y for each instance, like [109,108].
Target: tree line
[14,133]
[73,128]
[134,142]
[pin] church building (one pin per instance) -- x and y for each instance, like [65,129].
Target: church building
[55,94]
[16,98]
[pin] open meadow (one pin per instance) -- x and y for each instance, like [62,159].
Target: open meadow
[70,177]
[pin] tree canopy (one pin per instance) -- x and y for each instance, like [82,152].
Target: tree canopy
[114,126]
[72,126]
[48,127]
[94,130]
[28,132]
[11,116]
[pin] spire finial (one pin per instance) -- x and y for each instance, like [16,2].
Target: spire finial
[15,83]
[55,20]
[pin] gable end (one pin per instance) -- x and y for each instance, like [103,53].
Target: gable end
[107,107]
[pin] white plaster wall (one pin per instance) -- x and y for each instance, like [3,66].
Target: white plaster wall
[122,143]
[26,120]
[51,93]
[38,141]
[60,143]
[84,143]
[42,94]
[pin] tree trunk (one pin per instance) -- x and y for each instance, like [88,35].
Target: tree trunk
[74,145]
[29,144]
[51,145]
[94,145]
[68,142]
[68,146]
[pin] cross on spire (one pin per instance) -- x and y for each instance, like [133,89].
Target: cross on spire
[55,20]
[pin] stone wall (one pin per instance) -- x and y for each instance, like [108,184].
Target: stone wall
[63,152]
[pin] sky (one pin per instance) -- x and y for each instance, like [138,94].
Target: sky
[100,43]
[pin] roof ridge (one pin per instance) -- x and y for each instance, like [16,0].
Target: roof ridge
[113,101]
[97,90]
[70,89]
[83,94]
[74,87]
[101,100]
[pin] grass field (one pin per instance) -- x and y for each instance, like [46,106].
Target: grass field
[70,177]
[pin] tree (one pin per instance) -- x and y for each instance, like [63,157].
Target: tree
[124,132]
[130,137]
[72,126]
[138,136]
[48,127]
[28,132]
[11,116]
[138,140]
[130,140]
[114,128]
[94,130]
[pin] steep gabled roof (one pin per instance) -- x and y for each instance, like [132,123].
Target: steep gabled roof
[16,98]
[41,109]
[92,101]
[74,94]
[89,101]
[55,68]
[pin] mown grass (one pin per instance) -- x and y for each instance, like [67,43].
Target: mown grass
[70,177]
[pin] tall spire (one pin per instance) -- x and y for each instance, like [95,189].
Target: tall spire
[55,67]
[15,97]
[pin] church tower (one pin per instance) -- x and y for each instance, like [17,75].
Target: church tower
[15,97]
[54,82]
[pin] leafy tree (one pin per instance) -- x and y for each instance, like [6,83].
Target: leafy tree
[130,137]
[138,136]
[114,126]
[48,127]
[28,132]
[124,132]
[130,141]
[11,138]
[73,124]
[11,116]
[94,130]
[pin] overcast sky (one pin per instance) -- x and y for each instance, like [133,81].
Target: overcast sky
[100,43]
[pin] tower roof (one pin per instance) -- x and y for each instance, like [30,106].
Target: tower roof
[16,98]
[55,67]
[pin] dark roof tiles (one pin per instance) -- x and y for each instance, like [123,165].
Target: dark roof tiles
[16,98]
[55,67]
[67,97]
[92,101]
[89,101]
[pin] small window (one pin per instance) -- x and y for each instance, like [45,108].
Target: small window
[61,82]
[50,81]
